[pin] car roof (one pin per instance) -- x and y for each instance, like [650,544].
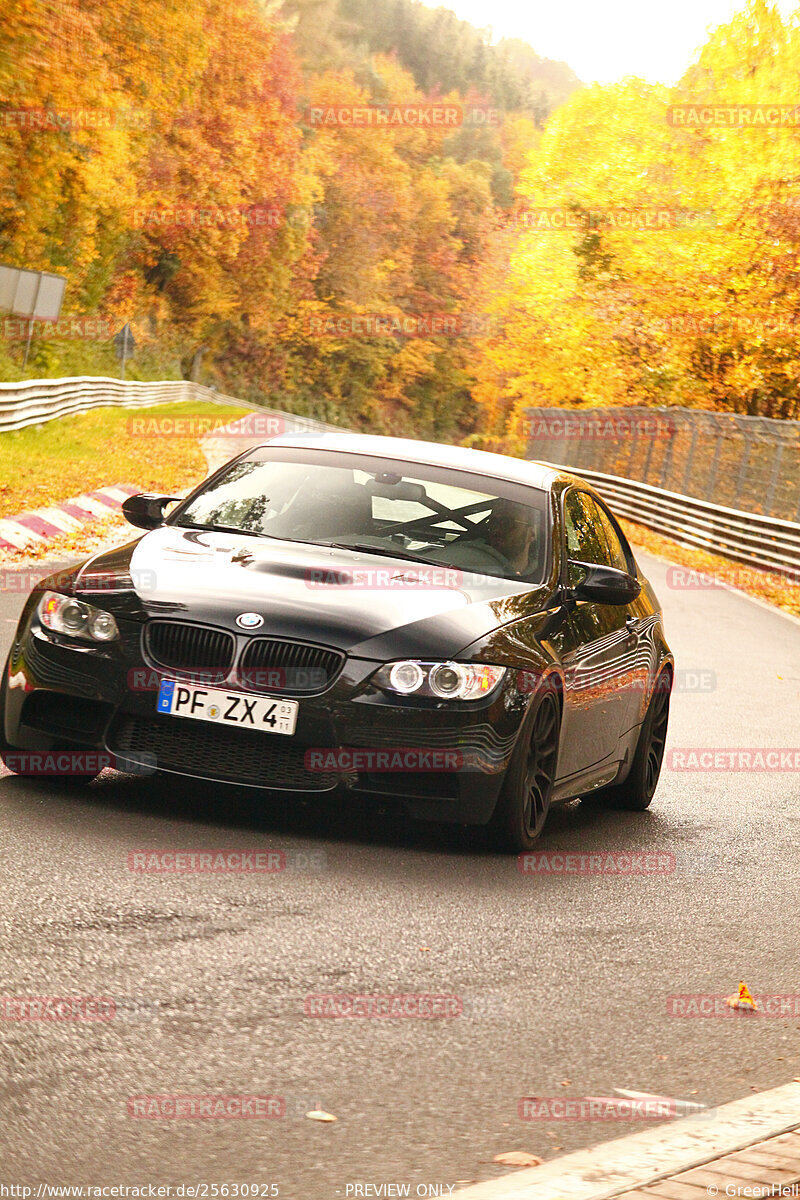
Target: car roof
[460,458]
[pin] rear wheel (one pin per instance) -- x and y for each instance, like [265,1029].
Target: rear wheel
[524,800]
[639,787]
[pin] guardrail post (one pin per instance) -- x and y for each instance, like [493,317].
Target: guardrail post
[634,437]
[646,468]
[712,475]
[666,464]
[773,483]
[741,474]
[687,474]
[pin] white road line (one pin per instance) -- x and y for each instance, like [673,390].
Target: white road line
[632,1162]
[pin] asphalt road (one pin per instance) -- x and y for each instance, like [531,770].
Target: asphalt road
[565,979]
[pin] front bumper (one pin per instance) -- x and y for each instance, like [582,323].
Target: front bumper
[442,760]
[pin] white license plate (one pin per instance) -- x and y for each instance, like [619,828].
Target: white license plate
[227,708]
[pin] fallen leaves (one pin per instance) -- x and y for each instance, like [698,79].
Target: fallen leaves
[518,1158]
[768,586]
[100,535]
[742,999]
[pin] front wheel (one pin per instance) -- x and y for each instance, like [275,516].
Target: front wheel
[638,789]
[524,800]
[18,761]
[24,763]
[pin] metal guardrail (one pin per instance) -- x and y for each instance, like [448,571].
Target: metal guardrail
[758,541]
[746,463]
[36,401]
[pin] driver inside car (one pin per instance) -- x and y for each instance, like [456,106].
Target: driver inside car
[505,547]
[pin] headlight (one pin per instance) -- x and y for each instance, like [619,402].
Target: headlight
[406,677]
[442,681]
[64,614]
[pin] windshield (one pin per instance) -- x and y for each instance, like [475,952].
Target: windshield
[428,514]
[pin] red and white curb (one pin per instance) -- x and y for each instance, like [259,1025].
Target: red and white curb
[41,525]
[629,1163]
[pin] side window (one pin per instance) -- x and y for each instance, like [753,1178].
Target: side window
[617,556]
[584,530]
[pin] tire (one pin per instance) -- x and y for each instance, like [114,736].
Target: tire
[638,789]
[524,800]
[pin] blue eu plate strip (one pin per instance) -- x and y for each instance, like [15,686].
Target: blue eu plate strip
[165,694]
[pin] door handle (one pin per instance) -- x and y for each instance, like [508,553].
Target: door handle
[633,633]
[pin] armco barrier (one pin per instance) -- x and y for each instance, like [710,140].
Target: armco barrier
[35,401]
[749,464]
[763,542]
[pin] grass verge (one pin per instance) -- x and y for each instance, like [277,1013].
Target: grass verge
[51,462]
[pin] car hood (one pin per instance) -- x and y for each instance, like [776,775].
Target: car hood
[367,605]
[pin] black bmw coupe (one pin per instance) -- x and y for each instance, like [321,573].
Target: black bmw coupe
[465,632]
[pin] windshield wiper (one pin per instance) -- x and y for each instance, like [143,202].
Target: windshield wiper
[384,551]
[222,529]
[358,546]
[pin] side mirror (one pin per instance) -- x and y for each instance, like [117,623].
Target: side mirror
[604,585]
[146,511]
